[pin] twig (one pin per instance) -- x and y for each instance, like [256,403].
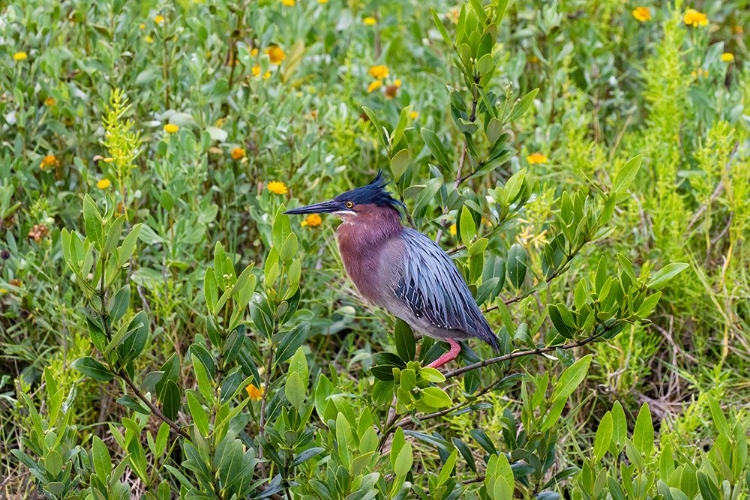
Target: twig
[154,409]
[520,354]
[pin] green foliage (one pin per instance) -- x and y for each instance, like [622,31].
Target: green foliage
[590,188]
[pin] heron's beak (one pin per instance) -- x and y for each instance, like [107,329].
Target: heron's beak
[326,207]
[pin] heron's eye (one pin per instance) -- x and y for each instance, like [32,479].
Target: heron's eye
[349,204]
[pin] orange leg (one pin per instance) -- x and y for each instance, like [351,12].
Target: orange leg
[448,356]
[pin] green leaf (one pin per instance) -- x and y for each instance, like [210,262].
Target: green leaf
[171,399]
[128,245]
[660,279]
[571,378]
[294,390]
[603,437]
[400,162]
[619,424]
[398,132]
[210,290]
[436,397]
[626,174]
[298,364]
[289,248]
[198,414]
[719,420]
[406,346]
[93,368]
[516,264]
[643,433]
[93,221]
[101,459]
[441,27]
[436,147]
[404,461]
[522,105]
[120,303]
[113,235]
[447,470]
[648,305]
[468,227]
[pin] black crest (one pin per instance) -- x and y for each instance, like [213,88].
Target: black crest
[373,193]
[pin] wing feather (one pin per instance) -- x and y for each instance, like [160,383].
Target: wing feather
[432,287]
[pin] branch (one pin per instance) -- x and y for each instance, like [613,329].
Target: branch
[520,354]
[154,409]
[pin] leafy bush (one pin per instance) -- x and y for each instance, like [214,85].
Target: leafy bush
[591,190]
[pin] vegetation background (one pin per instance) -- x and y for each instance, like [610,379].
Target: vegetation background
[159,338]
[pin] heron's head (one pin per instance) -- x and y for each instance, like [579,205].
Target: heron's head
[355,202]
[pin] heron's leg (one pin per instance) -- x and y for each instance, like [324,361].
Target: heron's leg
[448,356]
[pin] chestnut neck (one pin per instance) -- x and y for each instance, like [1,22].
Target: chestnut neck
[372,226]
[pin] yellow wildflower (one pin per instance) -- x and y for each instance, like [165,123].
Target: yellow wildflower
[266,75]
[50,101]
[277,187]
[3,291]
[287,3]
[103,183]
[238,153]
[369,21]
[414,115]
[642,14]
[276,54]
[49,161]
[171,128]
[727,57]
[379,72]
[694,18]
[108,160]
[397,83]
[254,52]
[738,30]
[148,39]
[142,26]
[159,19]
[256,70]
[533,59]
[452,229]
[20,56]
[374,86]
[312,220]
[255,393]
[535,158]
[322,1]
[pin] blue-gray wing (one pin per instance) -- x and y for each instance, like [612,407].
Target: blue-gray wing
[433,288]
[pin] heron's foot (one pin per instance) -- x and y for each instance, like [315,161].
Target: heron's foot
[448,356]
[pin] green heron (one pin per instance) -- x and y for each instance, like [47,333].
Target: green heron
[401,269]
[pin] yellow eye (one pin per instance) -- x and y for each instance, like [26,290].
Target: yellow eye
[349,204]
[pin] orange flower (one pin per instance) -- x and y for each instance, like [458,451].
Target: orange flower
[50,101]
[312,220]
[535,158]
[276,54]
[380,72]
[277,187]
[642,14]
[256,70]
[255,393]
[694,18]
[238,153]
[49,161]
[374,86]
